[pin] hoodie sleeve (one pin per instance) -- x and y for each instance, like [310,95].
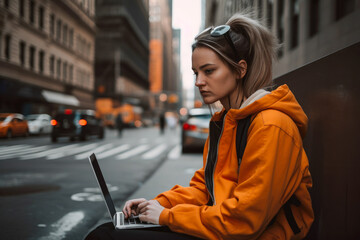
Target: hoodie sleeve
[269,175]
[195,194]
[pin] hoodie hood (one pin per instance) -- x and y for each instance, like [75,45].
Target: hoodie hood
[281,99]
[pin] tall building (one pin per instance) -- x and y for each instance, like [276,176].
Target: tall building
[307,30]
[122,51]
[46,55]
[163,79]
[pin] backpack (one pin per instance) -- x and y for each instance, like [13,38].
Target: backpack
[241,140]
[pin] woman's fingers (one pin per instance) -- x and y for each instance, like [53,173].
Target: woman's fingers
[131,206]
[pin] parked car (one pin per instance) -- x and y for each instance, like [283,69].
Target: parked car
[195,129]
[76,124]
[13,124]
[39,123]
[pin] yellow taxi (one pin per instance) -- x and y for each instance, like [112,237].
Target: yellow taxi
[13,124]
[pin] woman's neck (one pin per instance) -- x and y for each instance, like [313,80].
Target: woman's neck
[233,100]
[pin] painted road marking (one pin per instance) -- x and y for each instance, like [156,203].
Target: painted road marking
[96,150]
[64,225]
[132,152]
[175,152]
[72,151]
[155,152]
[113,151]
[48,152]
[23,151]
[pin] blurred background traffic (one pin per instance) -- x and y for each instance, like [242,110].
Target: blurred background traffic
[114,77]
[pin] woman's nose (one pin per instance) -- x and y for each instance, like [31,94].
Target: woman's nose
[199,81]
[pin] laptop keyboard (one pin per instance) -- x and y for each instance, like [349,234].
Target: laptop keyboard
[133,220]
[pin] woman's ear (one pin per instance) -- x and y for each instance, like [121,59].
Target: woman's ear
[243,68]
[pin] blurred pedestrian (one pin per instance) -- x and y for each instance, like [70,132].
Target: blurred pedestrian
[162,123]
[119,124]
[266,196]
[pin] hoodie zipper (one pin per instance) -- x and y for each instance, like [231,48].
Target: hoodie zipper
[212,194]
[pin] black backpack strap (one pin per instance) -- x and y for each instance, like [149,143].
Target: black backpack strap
[241,137]
[241,140]
[289,214]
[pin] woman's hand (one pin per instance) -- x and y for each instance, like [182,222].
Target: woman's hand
[132,207]
[150,211]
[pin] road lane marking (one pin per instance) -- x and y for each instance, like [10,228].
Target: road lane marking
[133,152]
[64,225]
[155,152]
[71,151]
[175,152]
[114,151]
[96,150]
[48,152]
[23,151]
[7,149]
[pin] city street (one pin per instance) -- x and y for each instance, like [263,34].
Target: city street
[48,191]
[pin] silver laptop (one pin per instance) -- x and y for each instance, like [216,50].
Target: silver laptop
[117,218]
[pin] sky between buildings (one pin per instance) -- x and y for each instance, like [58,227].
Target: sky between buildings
[187,17]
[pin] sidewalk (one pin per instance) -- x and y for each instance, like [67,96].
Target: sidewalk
[173,171]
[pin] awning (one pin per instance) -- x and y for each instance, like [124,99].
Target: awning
[59,98]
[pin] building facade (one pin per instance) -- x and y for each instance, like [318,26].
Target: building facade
[122,51]
[307,30]
[46,55]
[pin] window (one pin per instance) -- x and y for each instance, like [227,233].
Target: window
[32,57]
[65,33]
[52,65]
[32,12]
[343,8]
[294,23]
[314,17]
[71,38]
[58,68]
[280,27]
[260,9]
[269,13]
[22,47]
[65,71]
[41,17]
[52,25]
[7,3]
[71,73]
[41,61]
[7,46]
[58,30]
[21,9]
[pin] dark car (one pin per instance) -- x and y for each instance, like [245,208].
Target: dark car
[195,129]
[76,124]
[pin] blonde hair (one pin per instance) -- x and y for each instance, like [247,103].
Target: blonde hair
[253,42]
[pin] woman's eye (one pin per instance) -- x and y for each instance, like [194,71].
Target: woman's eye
[208,71]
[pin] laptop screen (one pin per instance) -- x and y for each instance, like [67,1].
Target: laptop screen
[100,179]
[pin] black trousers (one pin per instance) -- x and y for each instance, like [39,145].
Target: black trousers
[107,231]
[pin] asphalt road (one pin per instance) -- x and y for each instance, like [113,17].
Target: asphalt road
[48,191]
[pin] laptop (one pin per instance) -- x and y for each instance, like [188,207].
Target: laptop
[117,218]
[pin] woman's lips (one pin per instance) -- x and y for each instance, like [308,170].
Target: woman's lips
[204,93]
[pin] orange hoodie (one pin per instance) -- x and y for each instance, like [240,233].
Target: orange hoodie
[273,168]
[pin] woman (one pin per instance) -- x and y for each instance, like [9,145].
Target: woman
[267,196]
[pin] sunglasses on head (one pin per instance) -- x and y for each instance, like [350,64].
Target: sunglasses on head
[222,30]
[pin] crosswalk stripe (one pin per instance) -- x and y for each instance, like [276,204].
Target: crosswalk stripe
[113,151]
[23,151]
[96,150]
[133,152]
[175,152]
[7,149]
[155,152]
[71,151]
[48,152]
